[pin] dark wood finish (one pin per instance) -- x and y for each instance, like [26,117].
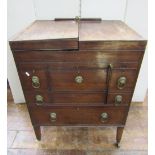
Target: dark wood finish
[73,65]
[27,74]
[67,98]
[64,80]
[37,131]
[107,30]
[131,76]
[48,30]
[108,56]
[109,35]
[112,45]
[86,98]
[119,135]
[31,97]
[77,98]
[62,44]
[84,116]
[126,98]
[58,51]
[80,19]
[58,35]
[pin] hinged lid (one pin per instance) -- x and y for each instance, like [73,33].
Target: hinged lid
[47,34]
[108,34]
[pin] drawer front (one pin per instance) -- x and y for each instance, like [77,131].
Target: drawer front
[109,56]
[94,80]
[65,98]
[86,98]
[37,97]
[122,80]
[78,116]
[45,98]
[42,77]
[78,80]
[119,98]
[33,79]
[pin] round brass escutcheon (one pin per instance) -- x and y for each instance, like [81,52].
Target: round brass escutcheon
[39,99]
[121,82]
[53,116]
[78,79]
[118,99]
[35,82]
[77,18]
[104,117]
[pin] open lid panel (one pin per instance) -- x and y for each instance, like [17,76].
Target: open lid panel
[47,35]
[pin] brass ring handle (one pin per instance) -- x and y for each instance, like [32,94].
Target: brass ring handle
[39,99]
[78,79]
[53,116]
[118,99]
[104,117]
[35,82]
[121,82]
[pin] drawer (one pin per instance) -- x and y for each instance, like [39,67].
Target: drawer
[93,80]
[108,56]
[78,80]
[78,116]
[43,77]
[84,98]
[33,78]
[44,98]
[37,97]
[122,80]
[119,98]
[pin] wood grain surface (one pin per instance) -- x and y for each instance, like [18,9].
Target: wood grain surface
[78,116]
[59,51]
[48,29]
[106,30]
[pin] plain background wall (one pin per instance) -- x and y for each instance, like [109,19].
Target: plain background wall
[22,13]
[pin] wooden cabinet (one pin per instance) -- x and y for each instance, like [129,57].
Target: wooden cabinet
[78,72]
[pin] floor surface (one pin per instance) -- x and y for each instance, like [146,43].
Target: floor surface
[76,140]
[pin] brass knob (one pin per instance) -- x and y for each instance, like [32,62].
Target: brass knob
[118,99]
[39,99]
[121,82]
[79,79]
[77,18]
[104,117]
[35,82]
[53,116]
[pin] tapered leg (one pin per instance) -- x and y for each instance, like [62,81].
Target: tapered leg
[37,132]
[119,135]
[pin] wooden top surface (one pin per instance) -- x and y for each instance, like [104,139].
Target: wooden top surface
[106,30]
[48,29]
[87,31]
